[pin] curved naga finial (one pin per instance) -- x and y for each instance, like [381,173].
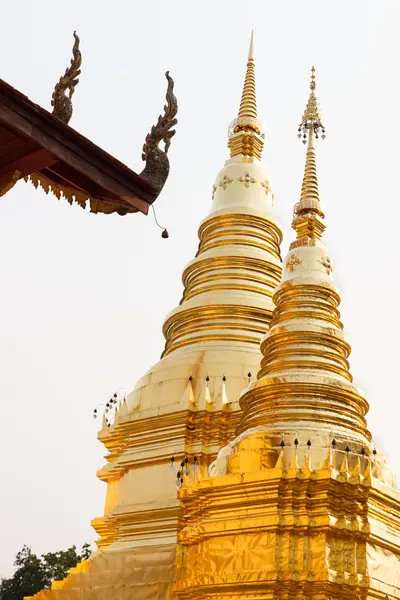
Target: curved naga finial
[61,102]
[157,164]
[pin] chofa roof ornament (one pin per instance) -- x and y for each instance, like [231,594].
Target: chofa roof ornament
[62,102]
[156,170]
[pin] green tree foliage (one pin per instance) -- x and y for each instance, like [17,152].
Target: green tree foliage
[34,573]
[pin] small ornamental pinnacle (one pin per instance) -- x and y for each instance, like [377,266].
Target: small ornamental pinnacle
[312,114]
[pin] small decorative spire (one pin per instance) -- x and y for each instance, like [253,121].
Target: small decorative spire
[60,101]
[367,472]
[207,394]
[224,395]
[245,132]
[344,468]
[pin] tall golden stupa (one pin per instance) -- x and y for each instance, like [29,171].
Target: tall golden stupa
[300,505]
[187,405]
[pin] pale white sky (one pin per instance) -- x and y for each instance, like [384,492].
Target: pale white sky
[84,296]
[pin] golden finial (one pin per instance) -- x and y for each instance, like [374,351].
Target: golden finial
[245,137]
[312,114]
[308,215]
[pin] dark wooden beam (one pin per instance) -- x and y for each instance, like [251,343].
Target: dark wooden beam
[30,163]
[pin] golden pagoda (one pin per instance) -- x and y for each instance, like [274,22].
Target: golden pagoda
[186,407]
[300,505]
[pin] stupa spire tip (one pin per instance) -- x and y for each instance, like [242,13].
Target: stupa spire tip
[246,131]
[251,47]
[308,215]
[248,104]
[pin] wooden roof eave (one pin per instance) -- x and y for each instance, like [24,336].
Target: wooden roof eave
[57,143]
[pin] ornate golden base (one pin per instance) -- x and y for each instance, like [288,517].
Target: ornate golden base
[290,532]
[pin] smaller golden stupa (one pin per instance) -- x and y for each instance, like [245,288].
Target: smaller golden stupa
[300,505]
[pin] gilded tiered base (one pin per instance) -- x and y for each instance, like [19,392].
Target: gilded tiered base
[326,531]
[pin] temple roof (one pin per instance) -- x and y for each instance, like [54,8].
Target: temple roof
[42,148]
[35,143]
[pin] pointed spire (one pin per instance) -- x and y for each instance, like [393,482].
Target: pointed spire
[241,188]
[344,467]
[355,474]
[248,104]
[224,395]
[251,47]
[246,135]
[304,351]
[308,215]
[368,470]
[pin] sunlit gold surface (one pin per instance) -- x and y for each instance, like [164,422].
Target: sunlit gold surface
[290,524]
[304,378]
[187,404]
[300,506]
